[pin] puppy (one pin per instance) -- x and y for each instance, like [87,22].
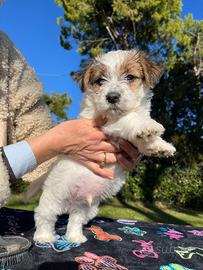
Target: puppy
[118,86]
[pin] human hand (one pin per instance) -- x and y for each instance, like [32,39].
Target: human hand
[81,140]
[89,144]
[129,156]
[95,148]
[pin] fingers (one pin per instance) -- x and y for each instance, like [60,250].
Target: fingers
[95,168]
[129,157]
[127,164]
[100,121]
[108,158]
[128,148]
[104,146]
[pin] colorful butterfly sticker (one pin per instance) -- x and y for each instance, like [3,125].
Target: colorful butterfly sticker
[187,252]
[132,230]
[127,221]
[196,232]
[171,233]
[103,236]
[174,266]
[60,245]
[90,261]
[146,250]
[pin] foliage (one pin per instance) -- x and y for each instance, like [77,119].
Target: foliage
[20,186]
[58,104]
[156,27]
[181,187]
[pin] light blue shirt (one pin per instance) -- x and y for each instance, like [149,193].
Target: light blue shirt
[21,158]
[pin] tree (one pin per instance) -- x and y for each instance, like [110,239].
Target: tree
[156,27]
[58,105]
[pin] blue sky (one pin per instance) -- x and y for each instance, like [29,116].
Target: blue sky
[31,24]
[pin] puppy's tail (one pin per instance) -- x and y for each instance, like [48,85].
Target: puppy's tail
[34,188]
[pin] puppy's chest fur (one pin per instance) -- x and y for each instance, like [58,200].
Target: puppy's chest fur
[79,185]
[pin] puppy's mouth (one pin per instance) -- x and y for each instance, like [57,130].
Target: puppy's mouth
[115,109]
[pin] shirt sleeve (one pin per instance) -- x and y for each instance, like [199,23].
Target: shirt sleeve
[20,158]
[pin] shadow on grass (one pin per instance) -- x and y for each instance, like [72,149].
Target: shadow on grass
[158,215]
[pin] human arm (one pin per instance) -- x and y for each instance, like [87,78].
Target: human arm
[83,141]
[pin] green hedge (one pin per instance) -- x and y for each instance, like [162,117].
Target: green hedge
[176,186]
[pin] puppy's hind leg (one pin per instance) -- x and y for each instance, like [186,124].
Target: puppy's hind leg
[91,213]
[77,217]
[45,219]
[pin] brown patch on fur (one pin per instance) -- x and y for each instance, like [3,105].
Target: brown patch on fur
[151,70]
[131,66]
[90,75]
[142,67]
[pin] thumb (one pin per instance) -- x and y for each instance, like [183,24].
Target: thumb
[100,121]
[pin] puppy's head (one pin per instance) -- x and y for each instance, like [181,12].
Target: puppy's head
[118,82]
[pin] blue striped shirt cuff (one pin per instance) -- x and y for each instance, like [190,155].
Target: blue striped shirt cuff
[21,158]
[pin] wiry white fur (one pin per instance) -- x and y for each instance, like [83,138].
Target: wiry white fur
[72,188]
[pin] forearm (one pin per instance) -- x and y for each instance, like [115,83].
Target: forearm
[44,147]
[57,140]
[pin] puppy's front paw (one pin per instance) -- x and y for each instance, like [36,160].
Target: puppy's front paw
[160,148]
[44,237]
[149,129]
[76,238]
[168,151]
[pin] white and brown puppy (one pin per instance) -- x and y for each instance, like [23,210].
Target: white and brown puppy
[116,85]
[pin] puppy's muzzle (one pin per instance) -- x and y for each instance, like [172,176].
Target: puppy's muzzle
[113,97]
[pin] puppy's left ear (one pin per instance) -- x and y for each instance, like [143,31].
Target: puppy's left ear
[152,71]
[83,77]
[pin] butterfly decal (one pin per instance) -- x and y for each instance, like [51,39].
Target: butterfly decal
[132,230]
[103,236]
[60,245]
[174,266]
[146,250]
[90,261]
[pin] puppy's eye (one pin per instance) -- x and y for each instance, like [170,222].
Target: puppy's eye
[100,81]
[130,77]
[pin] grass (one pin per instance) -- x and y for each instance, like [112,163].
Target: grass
[151,213]
[130,210]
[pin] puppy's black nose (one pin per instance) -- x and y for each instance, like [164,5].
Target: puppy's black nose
[113,97]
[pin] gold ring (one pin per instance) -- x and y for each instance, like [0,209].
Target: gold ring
[103,163]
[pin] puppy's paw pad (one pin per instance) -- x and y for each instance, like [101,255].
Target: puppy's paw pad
[154,129]
[76,238]
[44,238]
[167,152]
[160,148]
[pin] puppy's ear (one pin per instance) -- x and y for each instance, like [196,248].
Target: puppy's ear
[151,70]
[83,77]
